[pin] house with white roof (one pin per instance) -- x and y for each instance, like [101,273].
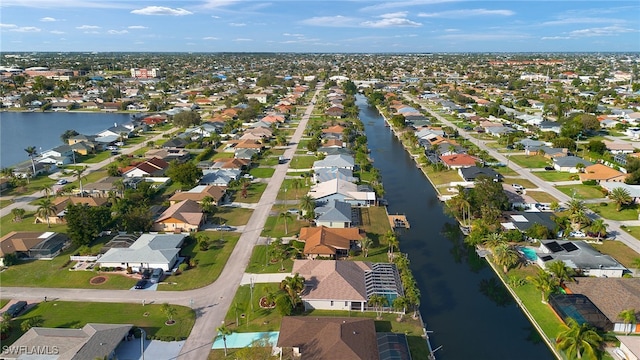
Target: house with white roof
[342,161]
[342,190]
[147,252]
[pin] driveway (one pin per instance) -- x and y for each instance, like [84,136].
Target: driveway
[613,226]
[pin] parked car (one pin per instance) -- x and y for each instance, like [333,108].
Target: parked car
[549,168]
[16,308]
[223,228]
[577,234]
[518,187]
[293,211]
[156,275]
[146,273]
[248,176]
[61,182]
[141,284]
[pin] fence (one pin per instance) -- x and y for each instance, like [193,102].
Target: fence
[85,258]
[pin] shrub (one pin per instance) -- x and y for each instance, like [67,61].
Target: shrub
[182,267]
[129,270]
[604,204]
[589,182]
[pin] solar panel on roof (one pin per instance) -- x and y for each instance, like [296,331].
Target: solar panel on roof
[569,247]
[547,258]
[553,247]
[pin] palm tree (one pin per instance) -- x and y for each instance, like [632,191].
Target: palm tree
[18,214]
[620,196]
[45,209]
[494,239]
[47,190]
[574,206]
[636,264]
[392,240]
[560,270]
[78,173]
[599,227]
[307,205]
[32,152]
[285,215]
[365,244]
[578,219]
[629,318]
[378,302]
[224,331]
[400,304]
[169,311]
[293,286]
[207,205]
[543,282]
[578,340]
[506,256]
[5,323]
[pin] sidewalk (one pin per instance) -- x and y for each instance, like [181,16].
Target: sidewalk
[263,278]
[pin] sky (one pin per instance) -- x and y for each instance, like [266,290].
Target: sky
[330,26]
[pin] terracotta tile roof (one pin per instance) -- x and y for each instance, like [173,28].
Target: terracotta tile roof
[458,160]
[321,338]
[336,129]
[187,211]
[325,241]
[610,295]
[333,279]
[600,172]
[215,192]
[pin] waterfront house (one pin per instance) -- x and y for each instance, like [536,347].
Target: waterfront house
[326,174]
[524,220]
[346,285]
[185,215]
[117,130]
[149,251]
[342,190]
[336,214]
[92,341]
[457,161]
[471,173]
[32,244]
[581,257]
[335,162]
[329,242]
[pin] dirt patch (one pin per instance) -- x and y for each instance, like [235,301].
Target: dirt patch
[98,280]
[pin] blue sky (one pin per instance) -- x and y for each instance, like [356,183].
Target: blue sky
[405,26]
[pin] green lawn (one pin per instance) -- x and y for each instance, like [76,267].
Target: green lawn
[275,226]
[608,211]
[96,158]
[35,184]
[442,177]
[553,176]
[505,171]
[254,193]
[3,302]
[262,172]
[582,191]
[619,251]
[292,193]
[268,161]
[258,263]
[535,161]
[210,262]
[541,197]
[7,225]
[232,216]
[302,162]
[255,320]
[523,182]
[634,231]
[62,314]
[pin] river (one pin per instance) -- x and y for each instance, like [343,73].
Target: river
[19,130]
[471,314]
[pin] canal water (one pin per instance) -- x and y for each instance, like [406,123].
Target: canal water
[466,306]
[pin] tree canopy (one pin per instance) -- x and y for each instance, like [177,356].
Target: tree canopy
[186,119]
[186,174]
[84,222]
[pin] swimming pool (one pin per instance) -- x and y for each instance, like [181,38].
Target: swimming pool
[529,253]
[241,340]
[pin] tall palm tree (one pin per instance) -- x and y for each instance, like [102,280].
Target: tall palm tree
[224,332]
[207,205]
[599,227]
[32,152]
[285,215]
[78,173]
[561,271]
[575,205]
[494,239]
[307,205]
[45,209]
[400,304]
[506,256]
[579,340]
[365,244]
[392,240]
[378,302]
[544,282]
[620,196]
[629,318]
[293,286]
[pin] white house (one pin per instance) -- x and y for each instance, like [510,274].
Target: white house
[149,251]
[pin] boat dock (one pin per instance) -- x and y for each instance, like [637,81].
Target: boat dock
[399,221]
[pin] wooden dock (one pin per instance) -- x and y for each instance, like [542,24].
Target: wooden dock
[399,221]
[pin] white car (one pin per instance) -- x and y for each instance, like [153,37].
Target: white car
[577,234]
[61,182]
[517,187]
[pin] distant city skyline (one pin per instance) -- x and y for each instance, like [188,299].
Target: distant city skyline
[410,26]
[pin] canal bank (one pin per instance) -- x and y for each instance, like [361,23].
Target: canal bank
[471,314]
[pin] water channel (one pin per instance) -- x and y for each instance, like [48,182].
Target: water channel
[470,313]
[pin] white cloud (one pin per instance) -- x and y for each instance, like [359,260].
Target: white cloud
[242,39]
[467,13]
[583,20]
[294,35]
[404,4]
[49,19]
[603,31]
[92,32]
[161,10]
[210,38]
[331,21]
[218,3]
[56,4]
[8,26]
[87,27]
[485,37]
[26,29]
[117,32]
[136,27]
[237,24]
[57,32]
[399,14]
[390,22]
[555,38]
[215,17]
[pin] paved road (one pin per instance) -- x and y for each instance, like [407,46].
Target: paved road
[211,302]
[613,226]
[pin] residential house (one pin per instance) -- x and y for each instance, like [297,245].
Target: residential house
[335,162]
[104,186]
[634,190]
[149,251]
[198,193]
[116,130]
[219,177]
[168,154]
[185,215]
[231,163]
[333,132]
[611,296]
[570,163]
[471,173]
[550,126]
[329,242]
[92,341]
[546,151]
[457,161]
[312,337]
[336,214]
[616,147]
[326,174]
[580,256]
[342,190]
[630,345]
[332,150]
[151,167]
[32,244]
[60,204]
[59,155]
[600,172]
[346,285]
[521,220]
[177,143]
[335,110]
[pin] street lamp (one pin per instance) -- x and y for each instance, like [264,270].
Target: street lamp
[142,336]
